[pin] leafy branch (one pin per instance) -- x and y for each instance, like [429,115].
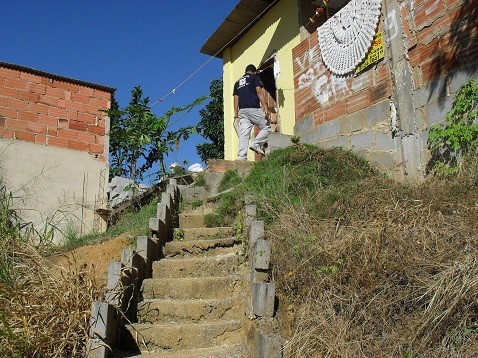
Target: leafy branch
[211,125]
[459,135]
[138,135]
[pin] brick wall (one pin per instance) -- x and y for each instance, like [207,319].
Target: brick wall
[431,49]
[50,110]
[326,96]
[442,36]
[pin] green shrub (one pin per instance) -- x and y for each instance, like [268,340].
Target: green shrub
[305,175]
[230,179]
[456,138]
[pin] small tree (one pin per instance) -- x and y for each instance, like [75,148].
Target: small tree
[117,153]
[130,133]
[139,138]
[163,141]
[211,125]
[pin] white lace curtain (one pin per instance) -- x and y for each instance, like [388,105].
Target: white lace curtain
[345,38]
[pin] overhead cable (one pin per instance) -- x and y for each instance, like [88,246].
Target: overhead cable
[173,91]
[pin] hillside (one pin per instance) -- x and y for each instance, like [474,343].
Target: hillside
[365,266]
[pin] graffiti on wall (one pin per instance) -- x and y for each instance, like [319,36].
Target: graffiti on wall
[325,86]
[310,65]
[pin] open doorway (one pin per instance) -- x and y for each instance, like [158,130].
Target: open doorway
[266,73]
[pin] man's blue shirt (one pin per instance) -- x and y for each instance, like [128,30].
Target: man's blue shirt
[245,88]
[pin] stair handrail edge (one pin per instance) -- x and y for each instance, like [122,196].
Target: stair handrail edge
[125,277]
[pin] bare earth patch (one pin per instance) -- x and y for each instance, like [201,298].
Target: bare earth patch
[95,258]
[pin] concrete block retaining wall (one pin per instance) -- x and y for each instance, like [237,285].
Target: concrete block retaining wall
[266,342]
[125,277]
[367,132]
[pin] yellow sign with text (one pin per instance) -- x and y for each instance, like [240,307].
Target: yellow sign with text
[375,54]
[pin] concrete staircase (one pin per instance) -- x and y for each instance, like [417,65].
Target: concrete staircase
[194,305]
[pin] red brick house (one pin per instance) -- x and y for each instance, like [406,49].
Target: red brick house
[54,145]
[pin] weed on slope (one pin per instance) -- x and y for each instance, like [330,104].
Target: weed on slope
[366,266]
[305,175]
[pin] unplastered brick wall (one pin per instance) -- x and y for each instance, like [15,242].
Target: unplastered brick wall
[350,112]
[442,37]
[319,92]
[53,111]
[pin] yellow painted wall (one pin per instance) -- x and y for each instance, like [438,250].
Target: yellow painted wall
[277,31]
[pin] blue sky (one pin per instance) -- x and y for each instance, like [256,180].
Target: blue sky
[154,44]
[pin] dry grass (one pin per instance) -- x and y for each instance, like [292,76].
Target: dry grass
[388,271]
[45,312]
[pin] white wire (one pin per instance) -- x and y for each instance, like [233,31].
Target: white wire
[173,91]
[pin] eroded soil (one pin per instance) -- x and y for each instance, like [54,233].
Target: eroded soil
[94,259]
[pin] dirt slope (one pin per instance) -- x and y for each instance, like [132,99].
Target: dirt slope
[95,257]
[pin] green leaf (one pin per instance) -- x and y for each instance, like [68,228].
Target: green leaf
[136,132]
[459,135]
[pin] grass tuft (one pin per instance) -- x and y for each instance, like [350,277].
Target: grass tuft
[45,312]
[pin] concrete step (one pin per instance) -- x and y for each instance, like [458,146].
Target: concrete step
[218,265]
[187,310]
[207,233]
[232,351]
[175,337]
[205,208]
[194,287]
[202,247]
[193,193]
[191,220]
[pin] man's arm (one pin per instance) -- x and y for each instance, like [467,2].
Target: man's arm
[236,115]
[236,106]
[260,94]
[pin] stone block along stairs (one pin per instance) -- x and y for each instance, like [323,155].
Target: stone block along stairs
[195,302]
